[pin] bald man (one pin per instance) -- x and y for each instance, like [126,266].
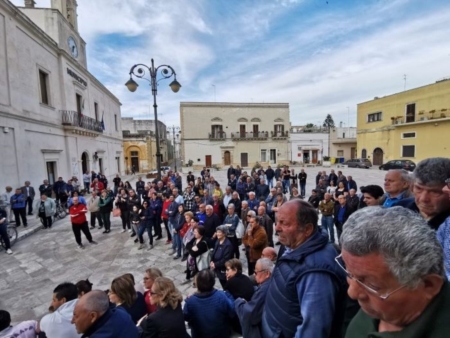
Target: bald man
[93,318]
[269,253]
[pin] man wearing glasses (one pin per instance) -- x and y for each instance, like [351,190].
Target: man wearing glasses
[395,270]
[308,271]
[250,313]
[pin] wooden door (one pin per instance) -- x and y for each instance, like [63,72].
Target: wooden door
[226,158]
[242,130]
[314,156]
[244,160]
[377,157]
[208,161]
[353,152]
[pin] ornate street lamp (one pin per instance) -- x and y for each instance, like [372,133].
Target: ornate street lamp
[165,72]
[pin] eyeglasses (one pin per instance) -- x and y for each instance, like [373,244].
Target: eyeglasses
[340,262]
[256,272]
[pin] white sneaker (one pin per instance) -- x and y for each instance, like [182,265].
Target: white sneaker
[123,231]
[9,252]
[130,231]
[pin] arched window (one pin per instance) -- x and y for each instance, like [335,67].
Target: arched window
[364,153]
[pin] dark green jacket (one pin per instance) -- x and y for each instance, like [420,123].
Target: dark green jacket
[434,322]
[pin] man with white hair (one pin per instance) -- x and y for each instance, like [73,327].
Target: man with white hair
[396,185]
[250,313]
[253,203]
[394,267]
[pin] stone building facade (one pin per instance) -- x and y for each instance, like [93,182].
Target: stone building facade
[139,144]
[221,134]
[56,118]
[343,143]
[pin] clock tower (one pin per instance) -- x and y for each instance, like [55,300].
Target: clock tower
[68,9]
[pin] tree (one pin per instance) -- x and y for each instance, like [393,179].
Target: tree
[328,123]
[310,125]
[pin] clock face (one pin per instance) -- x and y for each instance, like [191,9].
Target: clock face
[72,47]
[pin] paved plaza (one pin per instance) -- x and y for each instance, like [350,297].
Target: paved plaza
[49,257]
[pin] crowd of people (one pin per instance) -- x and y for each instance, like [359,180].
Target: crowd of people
[373,263]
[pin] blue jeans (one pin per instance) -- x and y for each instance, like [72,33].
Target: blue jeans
[145,226]
[328,226]
[177,243]
[4,235]
[270,182]
[302,188]
[286,186]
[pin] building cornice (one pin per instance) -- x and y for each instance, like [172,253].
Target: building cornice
[234,104]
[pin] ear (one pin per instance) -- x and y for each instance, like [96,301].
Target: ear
[432,285]
[309,229]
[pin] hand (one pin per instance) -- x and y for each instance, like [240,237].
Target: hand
[195,248]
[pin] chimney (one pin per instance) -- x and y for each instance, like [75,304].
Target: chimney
[29,3]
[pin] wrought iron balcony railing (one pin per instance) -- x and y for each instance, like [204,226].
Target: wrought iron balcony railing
[218,135]
[75,119]
[279,134]
[261,135]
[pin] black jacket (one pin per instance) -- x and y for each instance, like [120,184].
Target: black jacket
[348,211]
[133,201]
[222,253]
[270,174]
[140,187]
[164,323]
[314,200]
[46,190]
[434,223]
[240,286]
[262,190]
[210,224]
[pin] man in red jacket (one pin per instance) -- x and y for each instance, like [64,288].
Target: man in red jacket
[97,186]
[79,222]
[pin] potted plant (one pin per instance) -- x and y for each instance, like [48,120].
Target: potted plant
[326,161]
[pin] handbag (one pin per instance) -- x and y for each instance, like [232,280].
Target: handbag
[240,230]
[117,212]
[184,229]
[204,259]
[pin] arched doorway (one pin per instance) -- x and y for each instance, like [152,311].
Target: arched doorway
[377,156]
[85,162]
[226,158]
[364,153]
[134,160]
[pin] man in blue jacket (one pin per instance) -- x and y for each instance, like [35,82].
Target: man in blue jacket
[18,204]
[250,313]
[94,319]
[308,270]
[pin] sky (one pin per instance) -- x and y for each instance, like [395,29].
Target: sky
[321,57]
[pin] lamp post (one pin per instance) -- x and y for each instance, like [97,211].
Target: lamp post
[165,72]
[174,130]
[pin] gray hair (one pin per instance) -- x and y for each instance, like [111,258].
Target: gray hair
[231,205]
[251,213]
[251,193]
[266,264]
[244,202]
[432,171]
[408,245]
[405,175]
[209,206]
[96,301]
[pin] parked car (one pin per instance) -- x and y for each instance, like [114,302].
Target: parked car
[398,164]
[359,163]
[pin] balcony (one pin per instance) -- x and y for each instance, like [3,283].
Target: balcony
[249,136]
[279,135]
[218,135]
[81,124]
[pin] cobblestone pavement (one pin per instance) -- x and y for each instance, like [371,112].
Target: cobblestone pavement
[49,257]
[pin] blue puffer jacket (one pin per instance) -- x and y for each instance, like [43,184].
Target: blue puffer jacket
[282,313]
[114,323]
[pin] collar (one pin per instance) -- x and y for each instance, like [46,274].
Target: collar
[99,323]
[399,197]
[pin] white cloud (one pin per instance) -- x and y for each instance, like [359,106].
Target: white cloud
[320,63]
